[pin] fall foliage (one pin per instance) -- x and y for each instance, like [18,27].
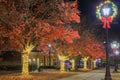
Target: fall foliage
[33,24]
[26,25]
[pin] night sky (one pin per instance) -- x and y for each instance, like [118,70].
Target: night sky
[88,8]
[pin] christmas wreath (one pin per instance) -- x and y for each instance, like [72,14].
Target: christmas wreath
[112,14]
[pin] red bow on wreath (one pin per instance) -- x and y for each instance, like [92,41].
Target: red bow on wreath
[106,21]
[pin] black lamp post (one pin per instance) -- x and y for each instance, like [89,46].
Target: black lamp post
[116,61]
[107,74]
[106,14]
[115,48]
[106,11]
[49,45]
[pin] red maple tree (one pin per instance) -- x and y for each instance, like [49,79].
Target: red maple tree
[91,46]
[33,24]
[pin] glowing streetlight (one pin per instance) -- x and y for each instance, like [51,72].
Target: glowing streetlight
[117,52]
[106,11]
[114,45]
[49,45]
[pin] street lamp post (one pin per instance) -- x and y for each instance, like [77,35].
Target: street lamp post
[116,61]
[107,74]
[106,11]
[115,48]
[49,45]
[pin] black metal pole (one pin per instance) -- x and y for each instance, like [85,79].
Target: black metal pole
[107,74]
[49,59]
[115,64]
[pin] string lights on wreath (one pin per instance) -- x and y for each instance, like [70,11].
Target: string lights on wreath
[106,11]
[109,4]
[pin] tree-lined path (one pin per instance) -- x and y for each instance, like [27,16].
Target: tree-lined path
[91,75]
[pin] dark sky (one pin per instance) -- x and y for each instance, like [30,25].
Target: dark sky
[88,8]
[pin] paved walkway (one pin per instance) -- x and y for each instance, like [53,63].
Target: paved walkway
[92,75]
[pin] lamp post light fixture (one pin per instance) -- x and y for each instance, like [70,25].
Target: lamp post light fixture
[106,11]
[114,45]
[116,52]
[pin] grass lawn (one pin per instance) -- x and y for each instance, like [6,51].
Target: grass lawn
[37,76]
[116,76]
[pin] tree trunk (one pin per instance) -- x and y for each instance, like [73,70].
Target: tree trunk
[25,68]
[85,62]
[94,64]
[73,64]
[62,59]
[25,58]
[62,66]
